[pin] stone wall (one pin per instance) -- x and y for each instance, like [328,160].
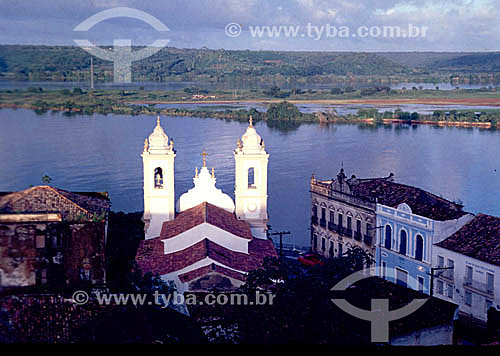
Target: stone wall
[64,251]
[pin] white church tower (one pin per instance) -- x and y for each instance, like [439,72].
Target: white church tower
[251,161]
[159,194]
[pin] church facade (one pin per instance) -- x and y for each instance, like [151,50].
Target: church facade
[204,240]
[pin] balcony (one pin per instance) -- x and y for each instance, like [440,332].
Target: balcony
[322,222]
[478,286]
[314,220]
[358,236]
[332,226]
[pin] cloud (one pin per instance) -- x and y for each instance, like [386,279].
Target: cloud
[464,25]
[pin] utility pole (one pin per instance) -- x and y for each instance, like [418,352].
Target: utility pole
[432,276]
[281,233]
[91,73]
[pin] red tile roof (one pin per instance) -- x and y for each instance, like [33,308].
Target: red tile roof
[151,258]
[480,239]
[420,201]
[189,276]
[46,199]
[205,212]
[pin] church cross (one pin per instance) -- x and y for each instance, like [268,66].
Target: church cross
[204,155]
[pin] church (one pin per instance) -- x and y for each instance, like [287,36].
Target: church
[205,240]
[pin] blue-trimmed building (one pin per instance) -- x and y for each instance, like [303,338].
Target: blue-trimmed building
[409,220]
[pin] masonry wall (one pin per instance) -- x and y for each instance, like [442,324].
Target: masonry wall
[456,280]
[62,253]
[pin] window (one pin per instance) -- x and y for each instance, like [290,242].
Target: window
[419,249]
[323,244]
[349,223]
[384,270]
[315,210]
[251,177]
[402,277]
[323,213]
[468,274]
[340,250]
[440,262]
[468,298]
[341,218]
[331,252]
[388,237]
[40,241]
[158,183]
[449,272]
[41,277]
[315,243]
[487,305]
[449,290]
[358,225]
[490,281]
[402,242]
[332,216]
[439,287]
[421,285]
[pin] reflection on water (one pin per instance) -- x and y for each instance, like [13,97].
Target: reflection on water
[102,153]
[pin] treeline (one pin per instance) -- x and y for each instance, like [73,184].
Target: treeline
[78,101]
[68,63]
[471,116]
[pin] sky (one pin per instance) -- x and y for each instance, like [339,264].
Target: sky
[458,25]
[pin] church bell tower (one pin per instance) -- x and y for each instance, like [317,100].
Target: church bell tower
[159,194]
[251,161]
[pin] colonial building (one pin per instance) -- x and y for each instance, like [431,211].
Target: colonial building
[473,255]
[208,241]
[52,237]
[409,221]
[405,220]
[340,218]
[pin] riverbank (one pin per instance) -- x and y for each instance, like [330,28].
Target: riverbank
[134,103]
[399,101]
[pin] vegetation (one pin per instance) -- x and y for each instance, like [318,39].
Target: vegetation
[141,102]
[302,312]
[254,68]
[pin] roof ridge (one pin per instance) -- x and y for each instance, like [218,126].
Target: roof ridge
[56,190]
[21,194]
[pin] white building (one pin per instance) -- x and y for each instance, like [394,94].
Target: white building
[208,241]
[473,253]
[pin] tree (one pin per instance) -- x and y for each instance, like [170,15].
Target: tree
[46,179]
[301,311]
[283,111]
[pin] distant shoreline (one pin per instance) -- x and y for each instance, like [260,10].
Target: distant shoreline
[429,101]
[216,115]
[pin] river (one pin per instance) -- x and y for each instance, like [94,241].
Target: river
[102,153]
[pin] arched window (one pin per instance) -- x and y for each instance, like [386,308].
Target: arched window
[403,237]
[388,237]
[419,248]
[251,177]
[158,178]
